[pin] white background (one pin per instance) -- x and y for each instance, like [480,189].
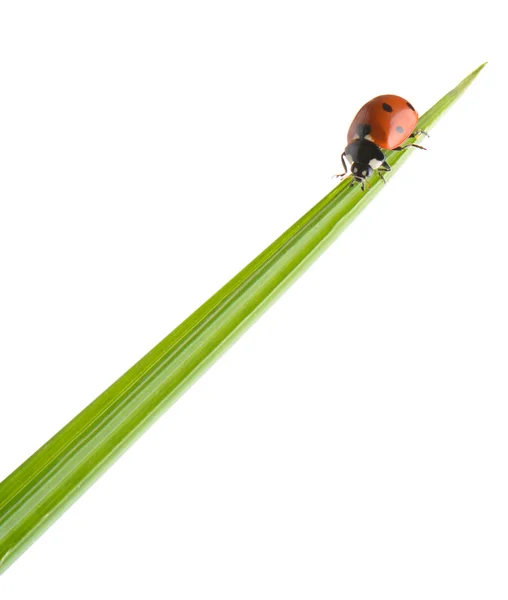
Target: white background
[353,443]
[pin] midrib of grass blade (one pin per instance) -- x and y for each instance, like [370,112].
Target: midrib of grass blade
[34,495]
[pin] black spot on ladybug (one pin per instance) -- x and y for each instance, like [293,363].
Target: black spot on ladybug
[387,107]
[363,130]
[399,129]
[410,106]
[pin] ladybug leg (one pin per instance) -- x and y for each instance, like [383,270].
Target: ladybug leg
[362,184]
[343,165]
[418,132]
[400,148]
[365,181]
[384,168]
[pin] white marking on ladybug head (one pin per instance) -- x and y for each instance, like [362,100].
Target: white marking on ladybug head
[349,159]
[364,173]
[355,170]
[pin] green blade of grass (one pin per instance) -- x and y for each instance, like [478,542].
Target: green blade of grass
[36,493]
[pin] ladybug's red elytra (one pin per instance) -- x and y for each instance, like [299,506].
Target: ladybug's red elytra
[384,122]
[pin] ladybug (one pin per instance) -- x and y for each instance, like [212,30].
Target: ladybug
[384,122]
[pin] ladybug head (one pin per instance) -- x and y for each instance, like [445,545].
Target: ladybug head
[361,172]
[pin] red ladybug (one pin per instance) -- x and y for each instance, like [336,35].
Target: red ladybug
[384,122]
